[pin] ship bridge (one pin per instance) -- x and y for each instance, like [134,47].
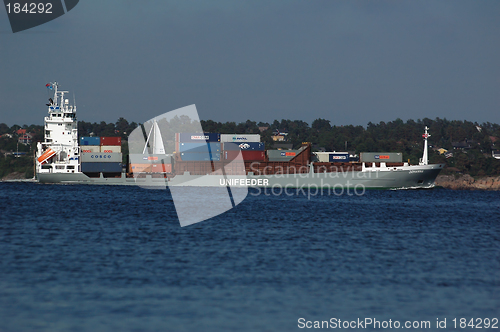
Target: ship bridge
[60,132]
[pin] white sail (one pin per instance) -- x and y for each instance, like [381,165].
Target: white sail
[155,140]
[158,147]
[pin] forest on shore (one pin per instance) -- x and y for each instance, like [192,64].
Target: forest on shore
[468,145]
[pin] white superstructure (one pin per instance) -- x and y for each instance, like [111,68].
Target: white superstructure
[59,153]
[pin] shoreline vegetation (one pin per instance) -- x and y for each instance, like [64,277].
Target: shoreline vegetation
[466,148]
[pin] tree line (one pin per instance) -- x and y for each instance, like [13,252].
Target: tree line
[393,136]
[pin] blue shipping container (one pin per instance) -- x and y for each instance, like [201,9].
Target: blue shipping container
[338,157]
[249,146]
[90,141]
[101,167]
[198,137]
[199,147]
[197,156]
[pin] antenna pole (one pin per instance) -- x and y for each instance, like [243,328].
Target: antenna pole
[154,137]
[55,93]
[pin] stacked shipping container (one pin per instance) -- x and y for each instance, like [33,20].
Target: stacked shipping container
[101,154]
[198,146]
[200,156]
[246,155]
[332,157]
[90,148]
[197,137]
[199,151]
[101,167]
[111,144]
[250,146]
[387,157]
[150,168]
[96,141]
[250,151]
[101,157]
[281,155]
[150,163]
[237,138]
[216,147]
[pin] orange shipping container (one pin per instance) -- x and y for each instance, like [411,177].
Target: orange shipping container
[150,168]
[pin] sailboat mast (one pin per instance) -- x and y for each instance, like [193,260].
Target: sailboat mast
[147,140]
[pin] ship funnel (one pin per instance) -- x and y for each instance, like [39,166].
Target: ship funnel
[424,160]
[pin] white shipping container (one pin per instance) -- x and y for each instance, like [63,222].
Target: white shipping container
[111,148]
[282,155]
[324,157]
[101,157]
[240,138]
[90,148]
[388,157]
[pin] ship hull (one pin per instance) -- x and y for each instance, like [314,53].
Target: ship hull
[402,177]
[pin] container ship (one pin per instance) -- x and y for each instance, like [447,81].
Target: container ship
[199,159]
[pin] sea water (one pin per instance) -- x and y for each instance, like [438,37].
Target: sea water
[111,258]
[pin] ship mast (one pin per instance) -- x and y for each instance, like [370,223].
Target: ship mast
[55,85]
[424,160]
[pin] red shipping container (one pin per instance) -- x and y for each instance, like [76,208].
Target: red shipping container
[254,155]
[229,155]
[247,155]
[111,141]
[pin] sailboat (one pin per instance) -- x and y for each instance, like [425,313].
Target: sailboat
[153,159]
[154,136]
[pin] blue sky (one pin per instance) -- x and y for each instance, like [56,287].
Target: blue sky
[350,62]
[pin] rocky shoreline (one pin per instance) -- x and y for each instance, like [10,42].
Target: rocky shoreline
[468,182]
[14,176]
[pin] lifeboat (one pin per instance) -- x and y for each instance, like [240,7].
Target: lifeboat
[49,153]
